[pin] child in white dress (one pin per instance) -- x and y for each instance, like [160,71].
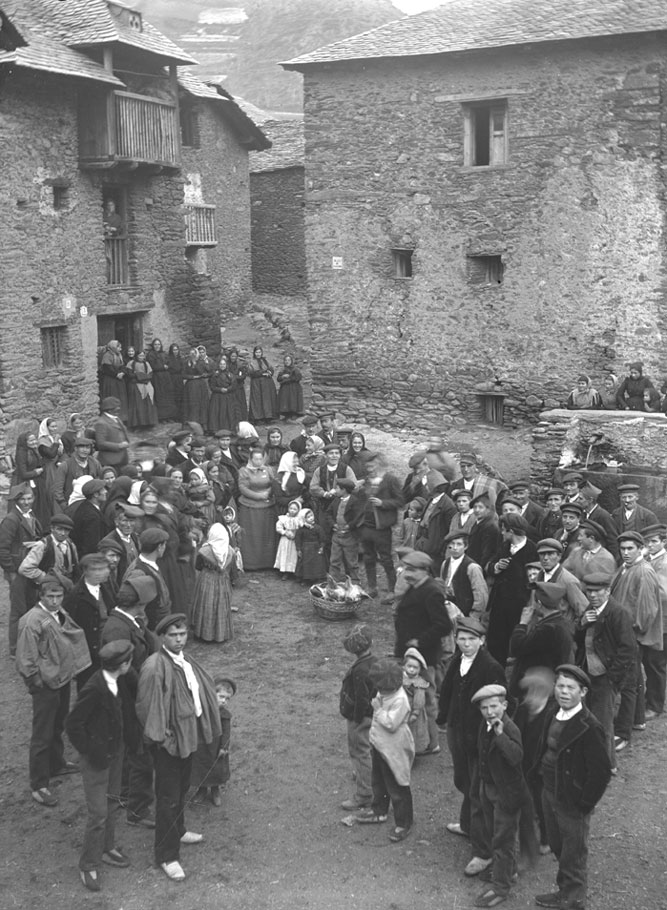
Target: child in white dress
[287,526]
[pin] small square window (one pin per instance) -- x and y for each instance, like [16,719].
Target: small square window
[402,263]
[485,270]
[53,346]
[60,197]
[485,139]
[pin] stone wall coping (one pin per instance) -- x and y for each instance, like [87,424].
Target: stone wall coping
[559,414]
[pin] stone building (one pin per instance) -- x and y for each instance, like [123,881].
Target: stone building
[277,194]
[485,206]
[125,199]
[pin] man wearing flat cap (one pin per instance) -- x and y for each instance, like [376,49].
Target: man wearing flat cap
[630,516]
[589,494]
[55,555]
[18,530]
[424,479]
[178,449]
[177,707]
[310,425]
[85,604]
[573,604]
[551,522]
[485,537]
[476,482]
[464,579]
[655,662]
[323,491]
[89,524]
[95,727]
[571,516]
[590,554]
[434,526]
[111,437]
[421,621]
[152,545]
[530,510]
[575,773]
[50,652]
[572,484]
[328,432]
[636,587]
[125,523]
[80,464]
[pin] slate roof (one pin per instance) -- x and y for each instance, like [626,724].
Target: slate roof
[50,57]
[189,83]
[288,149]
[466,25]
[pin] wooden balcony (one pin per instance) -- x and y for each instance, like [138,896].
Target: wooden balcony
[200,225]
[122,129]
[118,269]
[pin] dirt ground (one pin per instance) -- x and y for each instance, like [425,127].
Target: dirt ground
[278,843]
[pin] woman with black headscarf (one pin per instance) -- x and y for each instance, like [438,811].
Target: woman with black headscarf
[630,395]
[263,397]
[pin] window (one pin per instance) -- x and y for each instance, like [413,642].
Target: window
[485,270]
[53,346]
[116,243]
[402,263]
[60,197]
[189,124]
[485,134]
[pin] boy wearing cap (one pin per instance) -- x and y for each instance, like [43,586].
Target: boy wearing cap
[501,787]
[571,515]
[573,604]
[575,772]
[464,579]
[465,517]
[50,652]
[550,523]
[86,606]
[655,662]
[345,539]
[54,554]
[80,464]
[355,706]
[178,708]
[18,529]
[95,728]
[485,537]
[630,516]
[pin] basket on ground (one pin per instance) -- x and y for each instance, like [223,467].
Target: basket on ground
[332,610]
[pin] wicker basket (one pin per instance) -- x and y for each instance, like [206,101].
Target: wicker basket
[332,610]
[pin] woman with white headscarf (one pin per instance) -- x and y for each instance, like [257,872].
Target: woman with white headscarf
[212,598]
[76,496]
[290,483]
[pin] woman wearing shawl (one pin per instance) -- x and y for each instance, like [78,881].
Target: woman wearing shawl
[357,455]
[608,394]
[142,409]
[630,395]
[290,482]
[175,390]
[221,409]
[257,513]
[76,497]
[75,430]
[158,362]
[119,491]
[263,398]
[274,448]
[197,371]
[313,457]
[239,372]
[290,396]
[29,467]
[50,448]
[112,376]
[212,598]
[584,396]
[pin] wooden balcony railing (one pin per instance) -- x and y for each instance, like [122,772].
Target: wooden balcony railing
[124,128]
[118,271]
[200,225]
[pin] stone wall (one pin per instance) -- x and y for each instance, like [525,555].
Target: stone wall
[278,241]
[576,215]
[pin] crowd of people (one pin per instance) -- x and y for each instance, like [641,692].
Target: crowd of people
[635,392]
[532,634]
[155,385]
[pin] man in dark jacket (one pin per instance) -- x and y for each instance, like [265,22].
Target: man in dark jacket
[95,729]
[463,577]
[606,649]
[18,529]
[355,706]
[80,464]
[85,604]
[471,668]
[111,436]
[575,772]
[434,527]
[89,524]
[485,538]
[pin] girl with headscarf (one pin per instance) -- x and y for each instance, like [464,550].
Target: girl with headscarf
[112,376]
[608,394]
[221,411]
[290,394]
[286,527]
[257,513]
[76,429]
[630,394]
[290,482]
[310,566]
[357,455]
[274,448]
[263,398]
[50,448]
[142,409]
[196,372]
[212,597]
[239,371]
[157,360]
[313,457]
[174,391]
[584,396]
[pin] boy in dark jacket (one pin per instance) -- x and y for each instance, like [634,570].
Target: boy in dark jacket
[502,789]
[355,706]
[576,769]
[95,728]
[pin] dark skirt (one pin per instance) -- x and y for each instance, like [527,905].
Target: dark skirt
[142,411]
[263,399]
[258,543]
[290,398]
[310,565]
[221,412]
[195,401]
[174,396]
[239,406]
[212,605]
[163,396]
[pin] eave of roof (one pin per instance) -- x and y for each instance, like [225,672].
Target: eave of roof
[50,57]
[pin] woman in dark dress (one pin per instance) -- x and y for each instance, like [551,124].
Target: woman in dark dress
[75,430]
[29,468]
[263,398]
[357,456]
[274,448]
[161,382]
[239,372]
[142,409]
[175,390]
[630,395]
[221,405]
[196,372]
[257,513]
[50,448]
[112,376]
[290,396]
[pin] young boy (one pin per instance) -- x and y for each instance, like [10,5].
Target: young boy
[392,751]
[210,765]
[355,706]
[344,558]
[410,524]
[502,789]
[95,728]
[576,769]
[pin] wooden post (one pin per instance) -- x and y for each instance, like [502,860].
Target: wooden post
[173,82]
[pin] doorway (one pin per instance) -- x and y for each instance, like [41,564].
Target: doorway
[128,328]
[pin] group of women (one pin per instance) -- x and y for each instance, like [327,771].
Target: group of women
[635,392]
[155,385]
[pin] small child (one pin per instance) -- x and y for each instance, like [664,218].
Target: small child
[355,706]
[210,764]
[310,565]
[410,524]
[416,686]
[392,751]
[344,559]
[235,533]
[502,791]
[287,526]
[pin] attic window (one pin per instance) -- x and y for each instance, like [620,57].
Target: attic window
[134,21]
[485,270]
[402,262]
